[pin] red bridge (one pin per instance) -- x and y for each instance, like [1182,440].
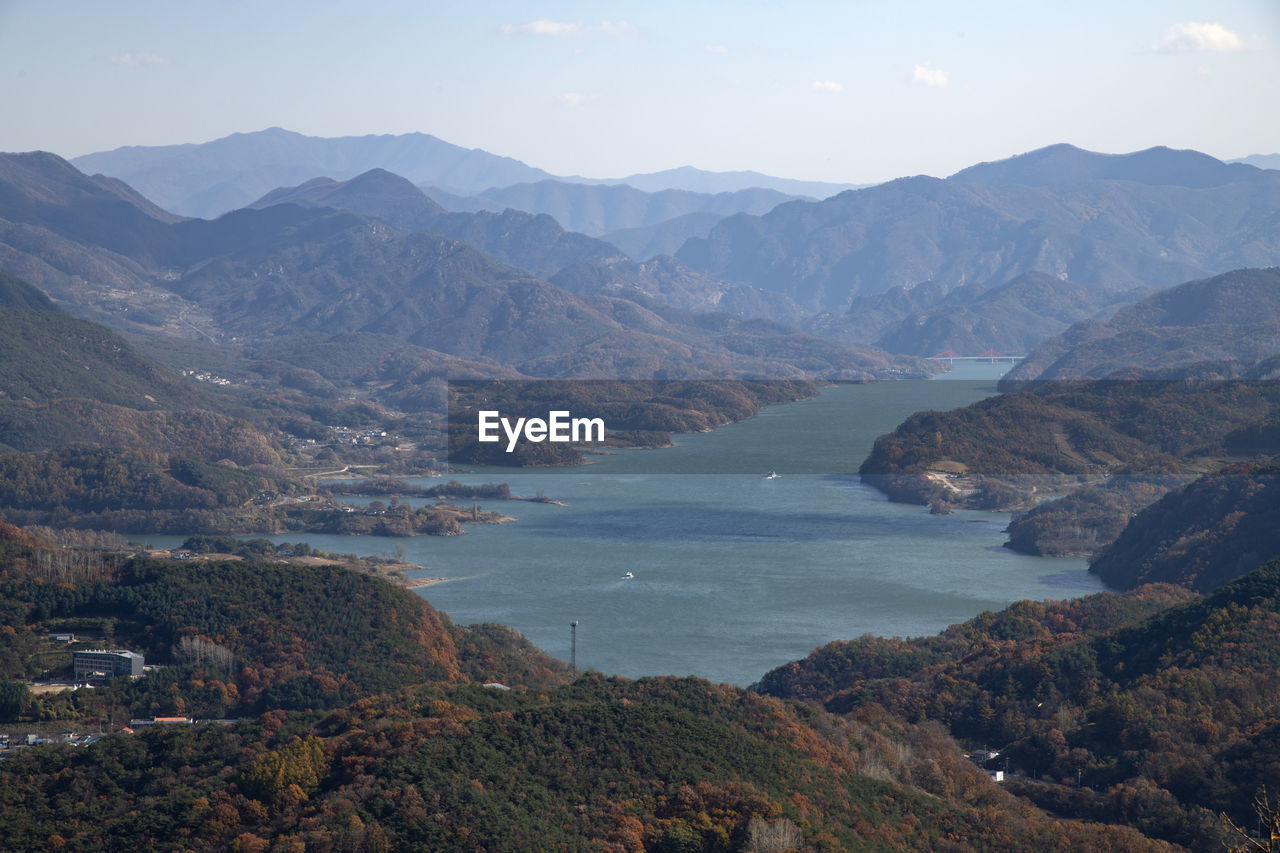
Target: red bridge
[990,356]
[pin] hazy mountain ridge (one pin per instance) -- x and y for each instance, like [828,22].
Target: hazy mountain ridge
[664,238]
[1009,318]
[1262,161]
[701,181]
[286,268]
[1118,222]
[1063,164]
[536,244]
[596,209]
[211,178]
[1122,233]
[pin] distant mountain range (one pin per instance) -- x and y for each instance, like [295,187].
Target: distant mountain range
[211,178]
[999,256]
[256,275]
[1149,219]
[535,244]
[598,209]
[1262,161]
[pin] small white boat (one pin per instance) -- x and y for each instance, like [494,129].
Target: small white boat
[626,576]
[772,475]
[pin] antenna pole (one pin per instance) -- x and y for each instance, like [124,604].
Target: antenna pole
[573,646]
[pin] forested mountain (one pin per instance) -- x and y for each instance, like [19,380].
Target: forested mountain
[346,273]
[1117,223]
[1200,536]
[1107,706]
[65,381]
[365,726]
[1133,221]
[1060,432]
[47,355]
[538,245]
[286,268]
[1077,459]
[1233,317]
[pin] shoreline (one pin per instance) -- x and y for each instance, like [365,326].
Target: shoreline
[418,583]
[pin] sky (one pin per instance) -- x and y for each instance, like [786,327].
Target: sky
[857,91]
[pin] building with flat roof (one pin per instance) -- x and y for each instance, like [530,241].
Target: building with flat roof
[103,663]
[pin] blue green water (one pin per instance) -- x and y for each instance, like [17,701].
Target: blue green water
[733,574]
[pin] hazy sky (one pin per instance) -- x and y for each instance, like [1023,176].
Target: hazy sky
[855,91]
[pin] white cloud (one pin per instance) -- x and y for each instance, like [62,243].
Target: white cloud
[828,86]
[1200,38]
[137,59]
[715,48]
[544,27]
[931,76]
[576,99]
[616,28]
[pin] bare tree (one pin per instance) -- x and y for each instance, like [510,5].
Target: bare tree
[1268,838]
[764,836]
[203,652]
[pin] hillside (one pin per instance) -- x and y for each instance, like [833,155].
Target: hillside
[1133,223]
[1075,459]
[1106,706]
[365,726]
[65,381]
[1064,432]
[1010,318]
[1230,317]
[1217,528]
[48,355]
[284,643]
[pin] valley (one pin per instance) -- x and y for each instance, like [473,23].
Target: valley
[774,644]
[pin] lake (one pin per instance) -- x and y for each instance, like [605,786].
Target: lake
[732,573]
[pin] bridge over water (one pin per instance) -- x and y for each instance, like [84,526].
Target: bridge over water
[988,357]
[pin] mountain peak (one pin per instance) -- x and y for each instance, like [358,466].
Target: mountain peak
[376,192]
[1062,163]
